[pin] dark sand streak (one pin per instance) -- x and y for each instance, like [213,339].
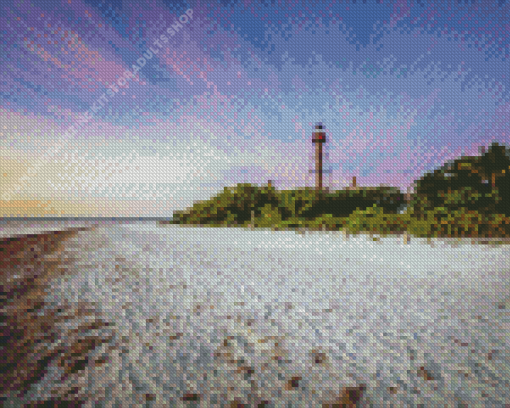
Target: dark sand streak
[28,333]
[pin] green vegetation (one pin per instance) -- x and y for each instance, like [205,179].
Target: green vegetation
[469,197]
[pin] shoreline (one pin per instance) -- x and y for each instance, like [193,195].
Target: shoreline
[29,264]
[22,229]
[375,235]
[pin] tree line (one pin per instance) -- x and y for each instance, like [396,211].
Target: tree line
[467,197]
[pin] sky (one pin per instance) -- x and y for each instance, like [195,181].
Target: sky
[123,108]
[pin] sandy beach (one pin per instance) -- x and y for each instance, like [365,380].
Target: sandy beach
[32,340]
[129,315]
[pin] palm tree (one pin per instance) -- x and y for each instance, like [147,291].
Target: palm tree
[495,163]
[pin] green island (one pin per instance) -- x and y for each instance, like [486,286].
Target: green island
[468,197]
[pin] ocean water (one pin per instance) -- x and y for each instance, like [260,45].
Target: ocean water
[233,314]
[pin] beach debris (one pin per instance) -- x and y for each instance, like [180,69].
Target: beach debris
[237,404]
[191,396]
[149,397]
[348,397]
[293,383]
[425,374]
[246,370]
[504,305]
[318,357]
[175,336]
[393,390]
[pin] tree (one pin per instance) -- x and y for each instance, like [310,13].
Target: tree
[473,182]
[495,163]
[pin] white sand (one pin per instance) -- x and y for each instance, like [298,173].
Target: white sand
[377,310]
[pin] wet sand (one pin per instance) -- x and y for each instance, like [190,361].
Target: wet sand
[29,334]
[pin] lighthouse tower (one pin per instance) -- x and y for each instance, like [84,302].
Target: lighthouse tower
[318,138]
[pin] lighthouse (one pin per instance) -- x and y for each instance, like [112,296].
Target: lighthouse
[318,138]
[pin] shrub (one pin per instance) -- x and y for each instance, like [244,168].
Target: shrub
[293,222]
[459,223]
[269,217]
[375,220]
